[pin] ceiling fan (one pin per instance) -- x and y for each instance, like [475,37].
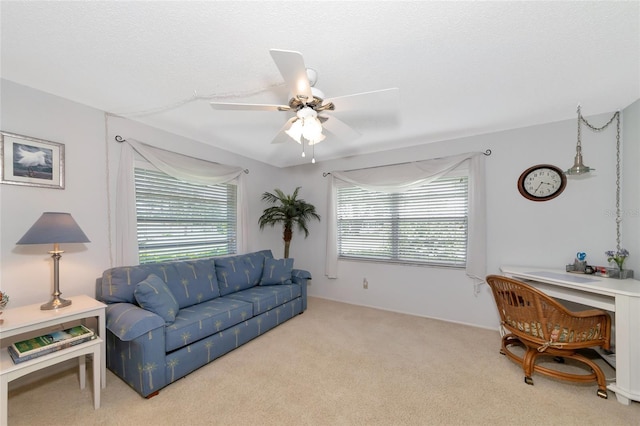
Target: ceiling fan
[312,110]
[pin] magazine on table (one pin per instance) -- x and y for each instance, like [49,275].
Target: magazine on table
[50,340]
[66,344]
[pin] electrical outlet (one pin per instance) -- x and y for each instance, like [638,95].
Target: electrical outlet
[365,283]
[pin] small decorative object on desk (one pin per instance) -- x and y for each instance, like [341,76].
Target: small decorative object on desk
[4,299]
[618,257]
[579,265]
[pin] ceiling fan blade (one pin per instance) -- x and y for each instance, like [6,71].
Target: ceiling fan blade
[281,136]
[249,107]
[340,129]
[294,72]
[366,101]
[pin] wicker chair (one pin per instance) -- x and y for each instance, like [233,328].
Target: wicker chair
[546,328]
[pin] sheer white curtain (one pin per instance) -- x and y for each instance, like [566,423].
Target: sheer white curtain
[179,166]
[402,177]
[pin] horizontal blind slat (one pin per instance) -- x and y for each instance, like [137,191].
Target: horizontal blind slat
[179,220]
[427,224]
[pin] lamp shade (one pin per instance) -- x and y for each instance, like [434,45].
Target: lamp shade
[54,228]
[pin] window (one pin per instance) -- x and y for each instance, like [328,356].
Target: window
[179,220]
[425,225]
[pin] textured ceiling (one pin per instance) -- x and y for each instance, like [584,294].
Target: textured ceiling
[463,68]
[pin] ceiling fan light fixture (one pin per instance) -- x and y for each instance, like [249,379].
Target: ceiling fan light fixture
[307,126]
[311,129]
[306,112]
[307,101]
[317,140]
[295,131]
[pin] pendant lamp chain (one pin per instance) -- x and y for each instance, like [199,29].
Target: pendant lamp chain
[618,218]
[616,117]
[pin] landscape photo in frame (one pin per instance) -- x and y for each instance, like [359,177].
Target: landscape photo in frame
[31,162]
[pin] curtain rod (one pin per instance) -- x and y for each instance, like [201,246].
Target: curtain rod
[487,152]
[120,139]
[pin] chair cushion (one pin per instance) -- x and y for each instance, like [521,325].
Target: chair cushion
[153,295]
[276,271]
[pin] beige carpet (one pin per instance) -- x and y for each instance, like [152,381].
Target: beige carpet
[338,364]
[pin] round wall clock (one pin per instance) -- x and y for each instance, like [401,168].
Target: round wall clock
[542,182]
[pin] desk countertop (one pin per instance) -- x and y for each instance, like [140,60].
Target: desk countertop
[590,283]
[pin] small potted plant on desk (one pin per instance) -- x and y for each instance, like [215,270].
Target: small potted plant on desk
[618,257]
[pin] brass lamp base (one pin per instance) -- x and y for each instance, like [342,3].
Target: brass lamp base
[55,303]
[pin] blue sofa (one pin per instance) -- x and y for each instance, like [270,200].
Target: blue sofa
[165,320]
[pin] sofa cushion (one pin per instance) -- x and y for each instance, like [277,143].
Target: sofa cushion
[267,297]
[153,295]
[239,272]
[276,271]
[118,284]
[196,281]
[204,319]
[190,281]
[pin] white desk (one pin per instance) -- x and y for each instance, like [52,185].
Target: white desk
[619,296]
[25,319]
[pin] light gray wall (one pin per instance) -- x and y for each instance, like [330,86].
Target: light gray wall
[630,203]
[91,167]
[26,272]
[520,231]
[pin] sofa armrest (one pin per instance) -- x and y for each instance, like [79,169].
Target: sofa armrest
[127,321]
[301,274]
[136,347]
[300,277]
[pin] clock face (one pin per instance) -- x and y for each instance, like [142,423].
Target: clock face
[542,182]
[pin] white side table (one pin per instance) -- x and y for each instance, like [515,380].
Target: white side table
[10,371]
[25,319]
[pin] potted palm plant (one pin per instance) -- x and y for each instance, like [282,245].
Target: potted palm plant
[288,211]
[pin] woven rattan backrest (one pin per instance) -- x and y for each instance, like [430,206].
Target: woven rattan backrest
[532,315]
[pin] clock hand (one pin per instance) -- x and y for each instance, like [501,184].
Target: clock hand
[539,185]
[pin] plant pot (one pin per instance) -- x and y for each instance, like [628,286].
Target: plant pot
[620,273]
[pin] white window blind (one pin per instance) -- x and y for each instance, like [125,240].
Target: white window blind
[426,225]
[177,220]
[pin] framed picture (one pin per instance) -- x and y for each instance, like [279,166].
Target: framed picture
[31,162]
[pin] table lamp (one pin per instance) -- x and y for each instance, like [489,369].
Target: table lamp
[54,228]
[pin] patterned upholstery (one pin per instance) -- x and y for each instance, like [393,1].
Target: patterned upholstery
[127,321]
[198,321]
[153,295]
[266,298]
[190,282]
[277,271]
[237,273]
[221,307]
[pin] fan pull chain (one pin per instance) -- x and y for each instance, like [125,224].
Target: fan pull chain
[313,153]
[302,143]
